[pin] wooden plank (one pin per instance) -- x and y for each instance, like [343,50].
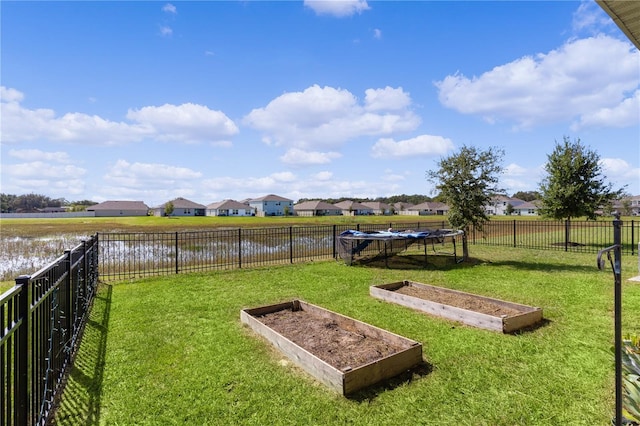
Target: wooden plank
[529,316]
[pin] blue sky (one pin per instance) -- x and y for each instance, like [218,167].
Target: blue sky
[214,100]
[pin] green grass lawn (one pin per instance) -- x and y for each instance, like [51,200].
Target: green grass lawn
[172,350]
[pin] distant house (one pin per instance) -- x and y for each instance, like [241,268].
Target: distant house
[316,208]
[229,208]
[271,205]
[378,208]
[353,208]
[181,207]
[526,209]
[428,209]
[119,208]
[400,208]
[499,204]
[628,206]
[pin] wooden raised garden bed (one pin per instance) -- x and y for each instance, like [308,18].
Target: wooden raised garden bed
[467,308]
[345,354]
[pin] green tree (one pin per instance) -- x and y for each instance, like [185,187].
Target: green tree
[574,185]
[527,195]
[7,203]
[465,181]
[168,209]
[509,210]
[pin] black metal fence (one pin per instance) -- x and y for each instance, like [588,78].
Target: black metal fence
[41,322]
[42,317]
[126,256]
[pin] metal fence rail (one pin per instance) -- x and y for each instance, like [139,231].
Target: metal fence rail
[41,320]
[575,236]
[126,256]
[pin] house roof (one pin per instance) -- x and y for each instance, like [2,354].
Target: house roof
[270,197]
[182,203]
[509,200]
[429,205]
[626,15]
[119,205]
[528,205]
[315,205]
[353,205]
[402,206]
[228,204]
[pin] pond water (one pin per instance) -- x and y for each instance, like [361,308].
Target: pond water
[19,255]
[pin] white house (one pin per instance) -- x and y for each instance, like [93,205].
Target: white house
[272,205]
[229,208]
[316,208]
[119,208]
[526,209]
[181,207]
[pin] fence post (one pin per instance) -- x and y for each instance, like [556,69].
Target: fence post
[240,248]
[291,244]
[633,244]
[566,235]
[85,275]
[334,242]
[176,244]
[514,233]
[21,353]
[67,296]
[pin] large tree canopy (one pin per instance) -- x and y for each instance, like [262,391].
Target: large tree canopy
[466,181]
[574,185]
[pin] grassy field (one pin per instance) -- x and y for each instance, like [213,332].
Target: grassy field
[172,350]
[91,225]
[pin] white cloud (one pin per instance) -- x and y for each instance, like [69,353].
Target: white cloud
[166,31]
[338,8]
[169,8]
[43,169]
[36,154]
[515,170]
[181,123]
[184,123]
[387,99]
[619,170]
[123,170]
[148,181]
[20,124]
[325,175]
[251,185]
[10,95]
[318,117]
[573,82]
[419,146]
[624,114]
[590,17]
[300,157]
[377,33]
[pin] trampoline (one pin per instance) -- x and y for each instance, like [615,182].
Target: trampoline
[356,246]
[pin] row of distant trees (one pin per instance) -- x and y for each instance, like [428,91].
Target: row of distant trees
[10,203]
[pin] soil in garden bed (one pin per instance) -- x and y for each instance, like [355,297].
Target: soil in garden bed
[463,301]
[325,339]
